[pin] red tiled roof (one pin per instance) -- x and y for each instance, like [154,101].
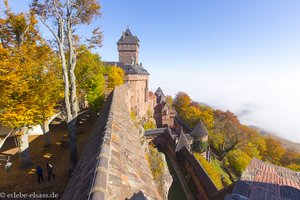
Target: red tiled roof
[262,180]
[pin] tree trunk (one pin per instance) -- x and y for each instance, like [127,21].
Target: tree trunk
[24,149]
[72,64]
[68,104]
[72,144]
[73,96]
[46,131]
[68,69]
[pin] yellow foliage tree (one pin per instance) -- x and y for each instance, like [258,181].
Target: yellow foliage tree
[191,116]
[29,87]
[115,77]
[181,102]
[274,150]
[238,160]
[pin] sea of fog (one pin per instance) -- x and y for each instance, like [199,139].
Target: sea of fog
[269,99]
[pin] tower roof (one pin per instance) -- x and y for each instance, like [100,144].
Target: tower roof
[182,142]
[199,130]
[159,91]
[128,38]
[160,95]
[129,69]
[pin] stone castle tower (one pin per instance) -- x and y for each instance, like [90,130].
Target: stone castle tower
[128,48]
[136,76]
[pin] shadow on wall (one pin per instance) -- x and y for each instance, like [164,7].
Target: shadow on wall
[138,196]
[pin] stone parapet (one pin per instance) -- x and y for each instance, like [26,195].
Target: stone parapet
[113,164]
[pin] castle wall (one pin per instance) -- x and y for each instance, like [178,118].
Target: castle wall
[139,94]
[113,164]
[205,186]
[198,174]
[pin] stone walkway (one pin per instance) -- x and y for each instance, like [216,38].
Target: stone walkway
[25,180]
[129,172]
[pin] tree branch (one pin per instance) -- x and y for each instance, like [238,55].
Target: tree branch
[50,29]
[56,10]
[79,52]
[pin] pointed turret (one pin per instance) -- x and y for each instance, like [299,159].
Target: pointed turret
[160,96]
[127,38]
[200,131]
[182,142]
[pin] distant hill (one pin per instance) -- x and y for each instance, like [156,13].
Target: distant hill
[286,143]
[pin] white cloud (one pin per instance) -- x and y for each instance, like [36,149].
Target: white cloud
[268,99]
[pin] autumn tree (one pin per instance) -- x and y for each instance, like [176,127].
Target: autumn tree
[115,76]
[90,79]
[192,112]
[274,150]
[255,144]
[290,157]
[62,17]
[169,100]
[191,116]
[207,116]
[181,102]
[226,134]
[27,96]
[50,87]
[237,160]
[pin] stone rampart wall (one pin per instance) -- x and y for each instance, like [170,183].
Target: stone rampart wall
[113,164]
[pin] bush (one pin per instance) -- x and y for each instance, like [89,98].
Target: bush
[157,166]
[215,176]
[150,124]
[133,115]
[199,146]
[238,160]
[294,167]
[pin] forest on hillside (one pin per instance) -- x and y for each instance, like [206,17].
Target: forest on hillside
[233,144]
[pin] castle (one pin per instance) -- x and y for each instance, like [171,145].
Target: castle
[113,164]
[137,77]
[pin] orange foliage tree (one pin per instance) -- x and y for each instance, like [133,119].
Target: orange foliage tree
[29,87]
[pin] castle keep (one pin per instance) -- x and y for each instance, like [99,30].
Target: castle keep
[128,48]
[141,100]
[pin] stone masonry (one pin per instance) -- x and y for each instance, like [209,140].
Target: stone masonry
[113,165]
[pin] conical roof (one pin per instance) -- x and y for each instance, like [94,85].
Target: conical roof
[128,38]
[159,91]
[199,130]
[160,95]
[182,142]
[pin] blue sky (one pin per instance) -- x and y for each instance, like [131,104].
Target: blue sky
[241,55]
